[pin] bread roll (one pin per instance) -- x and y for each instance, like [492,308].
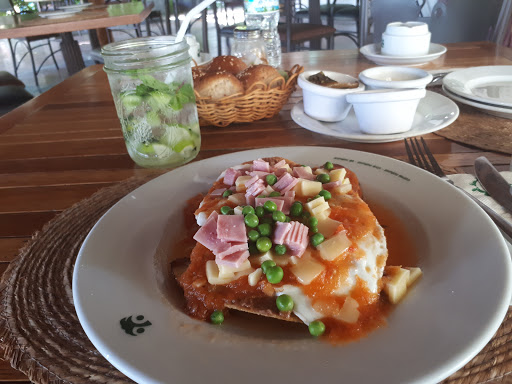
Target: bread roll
[218,85]
[229,64]
[260,74]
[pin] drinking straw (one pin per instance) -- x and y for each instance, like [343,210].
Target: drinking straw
[194,11]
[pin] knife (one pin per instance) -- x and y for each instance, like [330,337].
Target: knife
[497,187]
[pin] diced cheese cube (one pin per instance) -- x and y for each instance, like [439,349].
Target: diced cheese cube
[343,188]
[396,286]
[254,277]
[268,190]
[327,226]
[319,171]
[226,271]
[237,198]
[212,274]
[307,188]
[308,168]
[240,183]
[337,174]
[334,247]
[307,269]
[238,210]
[349,312]
[287,167]
[258,260]
[282,260]
[415,274]
[318,208]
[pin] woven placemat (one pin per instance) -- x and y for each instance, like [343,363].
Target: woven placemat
[40,334]
[479,129]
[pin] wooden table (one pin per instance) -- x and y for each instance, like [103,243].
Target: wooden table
[66,144]
[93,17]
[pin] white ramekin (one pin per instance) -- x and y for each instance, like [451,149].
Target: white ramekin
[386,111]
[406,39]
[323,103]
[395,77]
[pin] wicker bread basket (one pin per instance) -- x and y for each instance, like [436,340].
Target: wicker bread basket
[259,102]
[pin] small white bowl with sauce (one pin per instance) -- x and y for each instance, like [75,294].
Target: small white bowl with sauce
[386,111]
[406,39]
[395,77]
[324,103]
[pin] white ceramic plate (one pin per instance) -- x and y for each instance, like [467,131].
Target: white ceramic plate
[491,84]
[434,113]
[505,112]
[444,321]
[78,7]
[372,52]
[59,14]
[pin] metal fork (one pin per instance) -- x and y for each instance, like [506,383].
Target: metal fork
[421,156]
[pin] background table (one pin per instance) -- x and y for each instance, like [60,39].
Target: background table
[66,144]
[93,17]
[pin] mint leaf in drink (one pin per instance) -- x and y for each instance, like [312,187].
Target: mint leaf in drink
[151,82]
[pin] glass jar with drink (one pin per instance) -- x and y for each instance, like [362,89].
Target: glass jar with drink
[151,83]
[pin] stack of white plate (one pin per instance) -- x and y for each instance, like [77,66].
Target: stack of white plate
[487,88]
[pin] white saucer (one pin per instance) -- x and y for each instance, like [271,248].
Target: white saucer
[505,112]
[434,112]
[490,84]
[59,14]
[372,52]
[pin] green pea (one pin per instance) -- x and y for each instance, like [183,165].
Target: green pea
[313,230]
[260,211]
[271,179]
[217,317]
[270,206]
[265,229]
[225,210]
[253,235]
[328,165]
[280,249]
[264,244]
[306,214]
[227,193]
[288,219]
[274,194]
[323,178]
[317,239]
[252,249]
[278,216]
[312,222]
[251,220]
[247,210]
[284,303]
[326,194]
[296,209]
[274,274]
[316,328]
[266,265]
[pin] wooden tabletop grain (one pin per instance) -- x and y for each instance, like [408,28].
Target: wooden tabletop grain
[93,17]
[66,144]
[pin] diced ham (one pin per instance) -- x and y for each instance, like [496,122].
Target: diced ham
[280,164]
[207,234]
[332,184]
[280,172]
[288,198]
[256,188]
[218,192]
[302,173]
[249,200]
[232,248]
[234,260]
[280,231]
[260,174]
[251,181]
[231,175]
[285,183]
[231,228]
[296,239]
[261,200]
[260,165]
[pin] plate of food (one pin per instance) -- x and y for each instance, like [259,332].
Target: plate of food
[434,112]
[250,285]
[373,53]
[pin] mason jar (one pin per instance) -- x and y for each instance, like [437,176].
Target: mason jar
[151,83]
[248,45]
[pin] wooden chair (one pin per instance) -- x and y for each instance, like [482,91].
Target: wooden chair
[293,34]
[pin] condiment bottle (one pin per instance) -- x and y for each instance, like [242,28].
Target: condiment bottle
[249,46]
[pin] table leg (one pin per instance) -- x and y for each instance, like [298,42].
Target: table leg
[72,54]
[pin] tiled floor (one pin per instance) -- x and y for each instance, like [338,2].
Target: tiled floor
[50,75]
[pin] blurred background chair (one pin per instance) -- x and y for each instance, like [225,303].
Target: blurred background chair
[30,44]
[180,8]
[225,14]
[12,92]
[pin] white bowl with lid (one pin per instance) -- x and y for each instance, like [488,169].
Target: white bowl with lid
[323,103]
[386,111]
[411,38]
[395,77]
